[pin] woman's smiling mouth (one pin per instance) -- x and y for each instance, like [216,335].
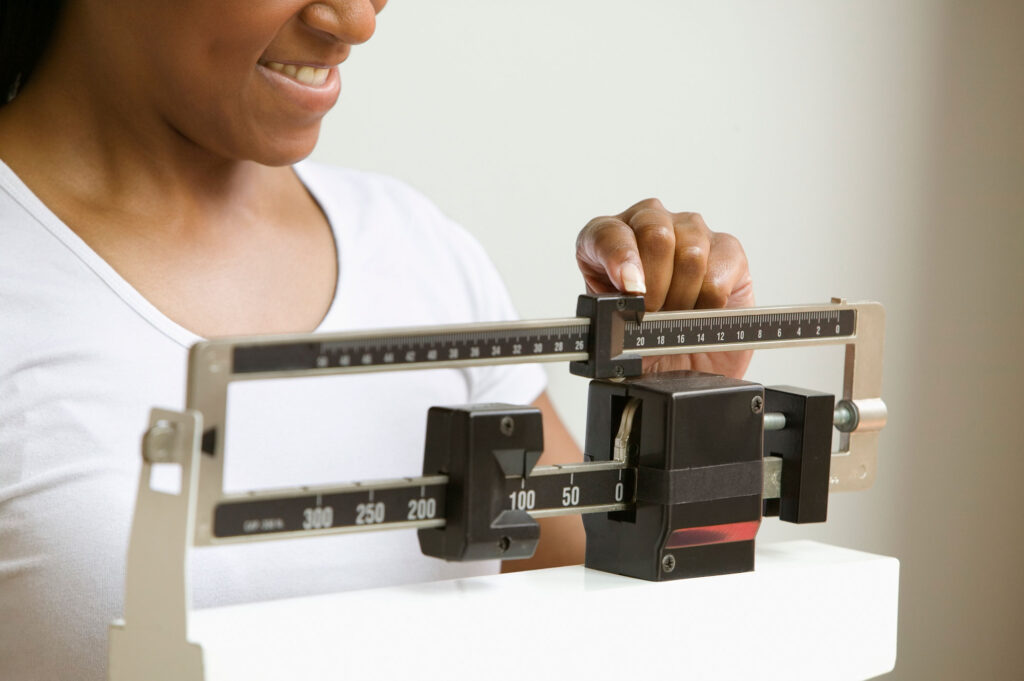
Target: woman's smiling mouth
[307,75]
[314,89]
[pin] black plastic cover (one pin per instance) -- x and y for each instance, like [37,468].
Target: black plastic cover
[608,314]
[698,449]
[805,445]
[477,446]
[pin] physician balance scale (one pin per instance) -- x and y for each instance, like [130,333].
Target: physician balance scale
[679,468]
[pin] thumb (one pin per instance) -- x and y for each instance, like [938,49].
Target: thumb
[608,257]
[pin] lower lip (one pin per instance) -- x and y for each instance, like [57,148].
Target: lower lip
[313,98]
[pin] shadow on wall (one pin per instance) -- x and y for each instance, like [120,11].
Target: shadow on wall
[962,586]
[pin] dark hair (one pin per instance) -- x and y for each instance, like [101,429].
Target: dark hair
[25,30]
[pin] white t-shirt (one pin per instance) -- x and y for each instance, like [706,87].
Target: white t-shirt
[83,358]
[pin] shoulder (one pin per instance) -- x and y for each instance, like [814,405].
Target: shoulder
[33,259]
[366,187]
[373,206]
[19,227]
[394,227]
[33,241]
[396,243]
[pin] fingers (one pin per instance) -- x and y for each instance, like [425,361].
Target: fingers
[655,236]
[727,277]
[671,258]
[609,258]
[693,247]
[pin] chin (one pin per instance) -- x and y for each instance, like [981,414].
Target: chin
[285,149]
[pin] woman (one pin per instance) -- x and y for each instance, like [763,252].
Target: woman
[149,198]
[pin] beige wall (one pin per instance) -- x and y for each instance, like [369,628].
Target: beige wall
[866,149]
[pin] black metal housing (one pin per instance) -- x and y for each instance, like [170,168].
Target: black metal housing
[608,315]
[697,444]
[477,446]
[805,445]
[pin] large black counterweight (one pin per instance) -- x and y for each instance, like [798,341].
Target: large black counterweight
[696,442]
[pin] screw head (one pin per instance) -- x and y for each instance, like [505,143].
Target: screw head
[158,443]
[507,426]
[668,563]
[619,371]
[757,404]
[621,303]
[504,543]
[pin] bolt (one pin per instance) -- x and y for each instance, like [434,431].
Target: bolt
[845,417]
[504,543]
[619,371]
[213,362]
[757,404]
[507,426]
[621,303]
[668,563]
[158,443]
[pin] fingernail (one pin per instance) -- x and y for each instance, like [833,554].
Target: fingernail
[632,278]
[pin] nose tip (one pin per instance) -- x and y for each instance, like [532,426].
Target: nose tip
[348,21]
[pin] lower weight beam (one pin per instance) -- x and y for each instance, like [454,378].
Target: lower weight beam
[673,486]
[423,502]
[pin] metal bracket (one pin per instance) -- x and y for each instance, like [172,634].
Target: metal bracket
[855,465]
[151,641]
[608,315]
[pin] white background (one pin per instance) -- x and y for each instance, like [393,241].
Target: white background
[871,150]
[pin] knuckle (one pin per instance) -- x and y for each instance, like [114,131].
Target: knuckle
[692,259]
[655,235]
[649,204]
[714,293]
[650,216]
[612,245]
[730,246]
[693,221]
[726,239]
[658,246]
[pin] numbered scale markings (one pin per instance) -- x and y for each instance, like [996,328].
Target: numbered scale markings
[544,340]
[582,488]
[553,343]
[420,502]
[359,507]
[666,332]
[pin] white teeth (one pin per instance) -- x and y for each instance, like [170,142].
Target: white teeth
[307,75]
[320,76]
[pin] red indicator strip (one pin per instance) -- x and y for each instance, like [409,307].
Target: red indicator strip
[713,534]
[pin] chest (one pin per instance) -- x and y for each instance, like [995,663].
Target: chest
[272,272]
[270,280]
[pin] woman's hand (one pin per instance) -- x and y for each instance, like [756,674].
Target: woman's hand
[677,263]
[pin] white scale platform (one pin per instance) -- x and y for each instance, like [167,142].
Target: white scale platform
[809,611]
